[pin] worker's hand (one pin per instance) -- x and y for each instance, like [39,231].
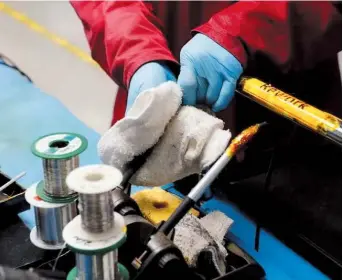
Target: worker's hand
[209,73]
[148,76]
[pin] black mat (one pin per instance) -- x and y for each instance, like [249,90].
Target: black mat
[302,206]
[16,249]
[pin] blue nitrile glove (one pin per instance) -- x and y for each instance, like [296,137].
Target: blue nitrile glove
[148,76]
[209,73]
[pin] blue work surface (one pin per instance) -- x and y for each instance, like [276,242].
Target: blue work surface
[27,113]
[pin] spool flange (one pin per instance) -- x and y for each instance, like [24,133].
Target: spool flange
[94,179]
[123,273]
[54,199]
[81,241]
[60,145]
[59,152]
[34,200]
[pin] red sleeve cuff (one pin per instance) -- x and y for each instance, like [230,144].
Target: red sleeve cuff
[230,43]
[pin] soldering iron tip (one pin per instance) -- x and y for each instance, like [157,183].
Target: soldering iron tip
[263,124]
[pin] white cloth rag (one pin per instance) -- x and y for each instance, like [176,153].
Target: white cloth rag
[192,141]
[142,126]
[193,235]
[188,140]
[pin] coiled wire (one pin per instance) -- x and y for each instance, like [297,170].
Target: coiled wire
[55,174]
[51,221]
[96,211]
[97,267]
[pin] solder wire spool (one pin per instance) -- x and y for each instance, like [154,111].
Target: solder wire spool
[50,220]
[53,203]
[96,234]
[60,155]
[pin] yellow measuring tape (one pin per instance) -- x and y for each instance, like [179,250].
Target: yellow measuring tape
[36,27]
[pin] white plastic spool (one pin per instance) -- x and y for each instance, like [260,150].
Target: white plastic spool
[50,220]
[97,250]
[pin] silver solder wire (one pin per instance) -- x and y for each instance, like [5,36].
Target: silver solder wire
[55,174]
[51,221]
[97,267]
[96,211]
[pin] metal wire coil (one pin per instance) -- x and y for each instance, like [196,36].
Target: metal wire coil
[96,211]
[55,174]
[51,221]
[97,267]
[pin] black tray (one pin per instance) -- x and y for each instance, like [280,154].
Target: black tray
[14,203]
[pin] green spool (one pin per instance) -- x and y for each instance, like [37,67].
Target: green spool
[52,199]
[61,145]
[58,146]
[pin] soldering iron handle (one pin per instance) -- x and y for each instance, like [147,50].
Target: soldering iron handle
[133,167]
[126,178]
[195,194]
[179,213]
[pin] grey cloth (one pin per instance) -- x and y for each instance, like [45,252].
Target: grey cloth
[194,235]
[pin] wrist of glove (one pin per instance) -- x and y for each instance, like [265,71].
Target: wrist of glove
[186,140]
[148,76]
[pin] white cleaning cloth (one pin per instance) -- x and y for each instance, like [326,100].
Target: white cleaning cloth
[193,235]
[190,142]
[142,126]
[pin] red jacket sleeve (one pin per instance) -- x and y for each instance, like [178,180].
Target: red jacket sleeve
[123,35]
[294,35]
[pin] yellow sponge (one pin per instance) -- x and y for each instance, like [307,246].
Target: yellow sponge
[157,204]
